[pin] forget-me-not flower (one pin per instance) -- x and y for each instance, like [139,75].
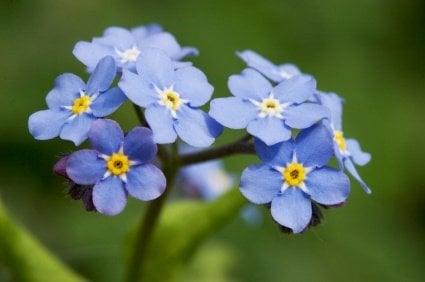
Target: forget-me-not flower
[268,112]
[347,151]
[292,174]
[171,98]
[74,105]
[276,73]
[125,46]
[117,166]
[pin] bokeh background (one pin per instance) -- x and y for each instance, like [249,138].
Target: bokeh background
[371,52]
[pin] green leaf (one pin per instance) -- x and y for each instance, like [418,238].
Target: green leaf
[26,258]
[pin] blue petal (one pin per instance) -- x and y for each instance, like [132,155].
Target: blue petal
[138,90]
[352,170]
[47,124]
[270,130]
[260,183]
[139,146]
[334,103]
[141,32]
[163,41]
[292,209]
[106,136]
[155,67]
[186,52]
[77,129]
[117,37]
[254,60]
[192,85]
[102,76]
[279,154]
[328,186]
[233,112]
[145,182]
[109,196]
[288,69]
[108,102]
[67,89]
[91,53]
[295,90]
[161,122]
[358,156]
[195,127]
[304,115]
[249,85]
[85,167]
[314,146]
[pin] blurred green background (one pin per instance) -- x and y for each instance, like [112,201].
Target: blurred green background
[371,52]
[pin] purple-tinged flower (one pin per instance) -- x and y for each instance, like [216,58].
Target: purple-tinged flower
[292,174]
[347,151]
[276,73]
[74,105]
[171,98]
[125,46]
[117,166]
[268,112]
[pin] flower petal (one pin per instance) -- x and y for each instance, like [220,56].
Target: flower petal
[161,122]
[334,103]
[77,129]
[139,145]
[91,53]
[106,136]
[270,130]
[233,112]
[359,157]
[352,170]
[141,32]
[195,127]
[145,182]
[261,64]
[249,85]
[292,209]
[304,115]
[67,89]
[314,146]
[102,76]
[116,37]
[109,196]
[186,52]
[192,85]
[155,67]
[295,90]
[279,154]
[260,183]
[47,124]
[85,167]
[163,41]
[138,90]
[108,102]
[328,186]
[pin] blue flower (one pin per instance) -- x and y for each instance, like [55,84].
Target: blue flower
[347,151]
[292,174]
[171,98]
[74,105]
[276,73]
[268,112]
[125,46]
[117,166]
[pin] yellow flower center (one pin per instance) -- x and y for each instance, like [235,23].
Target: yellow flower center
[171,99]
[81,105]
[270,106]
[118,164]
[340,141]
[294,174]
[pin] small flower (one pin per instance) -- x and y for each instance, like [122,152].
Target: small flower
[276,73]
[268,112]
[171,98]
[125,46]
[347,151]
[292,174]
[117,166]
[74,105]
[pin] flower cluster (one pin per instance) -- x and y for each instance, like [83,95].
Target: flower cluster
[296,128]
